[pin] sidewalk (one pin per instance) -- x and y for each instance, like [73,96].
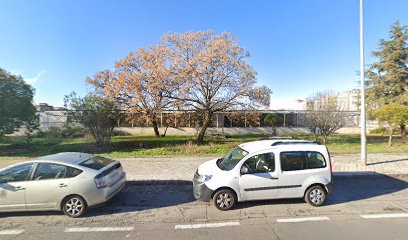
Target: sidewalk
[183,168]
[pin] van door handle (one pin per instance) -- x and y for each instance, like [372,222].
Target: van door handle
[62,185]
[273,178]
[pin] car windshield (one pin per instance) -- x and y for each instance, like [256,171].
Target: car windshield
[231,159]
[97,162]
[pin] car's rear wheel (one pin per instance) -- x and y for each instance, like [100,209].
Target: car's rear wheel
[224,199]
[74,206]
[315,196]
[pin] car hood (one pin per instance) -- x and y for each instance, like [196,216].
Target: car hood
[209,168]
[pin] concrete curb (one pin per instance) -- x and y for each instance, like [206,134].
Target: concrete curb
[336,175]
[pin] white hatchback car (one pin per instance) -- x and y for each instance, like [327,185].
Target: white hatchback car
[70,182]
[267,169]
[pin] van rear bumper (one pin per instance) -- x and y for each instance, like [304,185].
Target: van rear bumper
[201,191]
[329,187]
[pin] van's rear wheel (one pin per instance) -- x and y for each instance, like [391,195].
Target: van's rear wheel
[315,196]
[224,199]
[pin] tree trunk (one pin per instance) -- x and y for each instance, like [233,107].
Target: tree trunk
[155,127]
[403,131]
[206,124]
[165,131]
[390,136]
[324,138]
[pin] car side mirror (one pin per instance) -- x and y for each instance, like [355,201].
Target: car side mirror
[244,170]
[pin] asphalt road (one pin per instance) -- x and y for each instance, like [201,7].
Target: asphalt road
[359,208]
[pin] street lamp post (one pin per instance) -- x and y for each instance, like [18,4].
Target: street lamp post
[362,91]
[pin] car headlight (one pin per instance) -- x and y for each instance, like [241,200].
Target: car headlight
[204,178]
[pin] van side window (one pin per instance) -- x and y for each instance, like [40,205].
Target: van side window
[261,163]
[292,161]
[315,160]
[300,160]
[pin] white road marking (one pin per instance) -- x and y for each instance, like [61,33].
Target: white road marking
[384,215]
[306,219]
[207,225]
[98,229]
[11,231]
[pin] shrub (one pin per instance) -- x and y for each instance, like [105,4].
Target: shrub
[384,131]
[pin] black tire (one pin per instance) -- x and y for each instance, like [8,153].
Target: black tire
[74,206]
[315,196]
[224,199]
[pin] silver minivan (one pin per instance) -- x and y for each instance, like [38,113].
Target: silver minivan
[71,182]
[268,169]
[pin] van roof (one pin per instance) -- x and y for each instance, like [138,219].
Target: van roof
[256,146]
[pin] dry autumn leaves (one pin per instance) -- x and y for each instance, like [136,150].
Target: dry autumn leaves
[195,71]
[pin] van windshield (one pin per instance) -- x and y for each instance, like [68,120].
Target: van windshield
[229,161]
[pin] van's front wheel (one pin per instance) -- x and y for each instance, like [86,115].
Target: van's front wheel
[315,196]
[224,199]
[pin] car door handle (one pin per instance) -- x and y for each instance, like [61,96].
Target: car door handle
[19,188]
[273,178]
[62,185]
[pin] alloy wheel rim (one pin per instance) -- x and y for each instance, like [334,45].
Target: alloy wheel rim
[224,200]
[316,196]
[74,206]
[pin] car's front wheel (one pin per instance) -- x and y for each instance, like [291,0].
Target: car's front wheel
[74,206]
[224,199]
[315,196]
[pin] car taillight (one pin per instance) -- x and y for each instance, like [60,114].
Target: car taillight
[100,182]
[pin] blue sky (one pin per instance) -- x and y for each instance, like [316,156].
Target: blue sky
[297,47]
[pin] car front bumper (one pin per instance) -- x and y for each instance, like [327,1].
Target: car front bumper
[201,191]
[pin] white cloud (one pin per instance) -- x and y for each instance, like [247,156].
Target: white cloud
[34,79]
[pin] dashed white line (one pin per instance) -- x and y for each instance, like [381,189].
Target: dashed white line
[384,215]
[207,225]
[11,231]
[306,219]
[98,229]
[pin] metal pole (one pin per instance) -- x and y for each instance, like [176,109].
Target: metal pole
[362,90]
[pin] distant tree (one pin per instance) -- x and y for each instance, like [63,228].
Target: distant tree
[98,115]
[272,120]
[323,115]
[393,114]
[138,82]
[388,77]
[212,74]
[16,107]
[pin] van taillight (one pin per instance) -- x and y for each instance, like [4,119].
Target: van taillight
[331,165]
[330,161]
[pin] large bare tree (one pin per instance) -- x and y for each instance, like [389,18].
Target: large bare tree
[138,82]
[212,74]
[323,114]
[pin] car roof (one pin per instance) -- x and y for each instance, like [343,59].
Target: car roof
[256,146]
[66,157]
